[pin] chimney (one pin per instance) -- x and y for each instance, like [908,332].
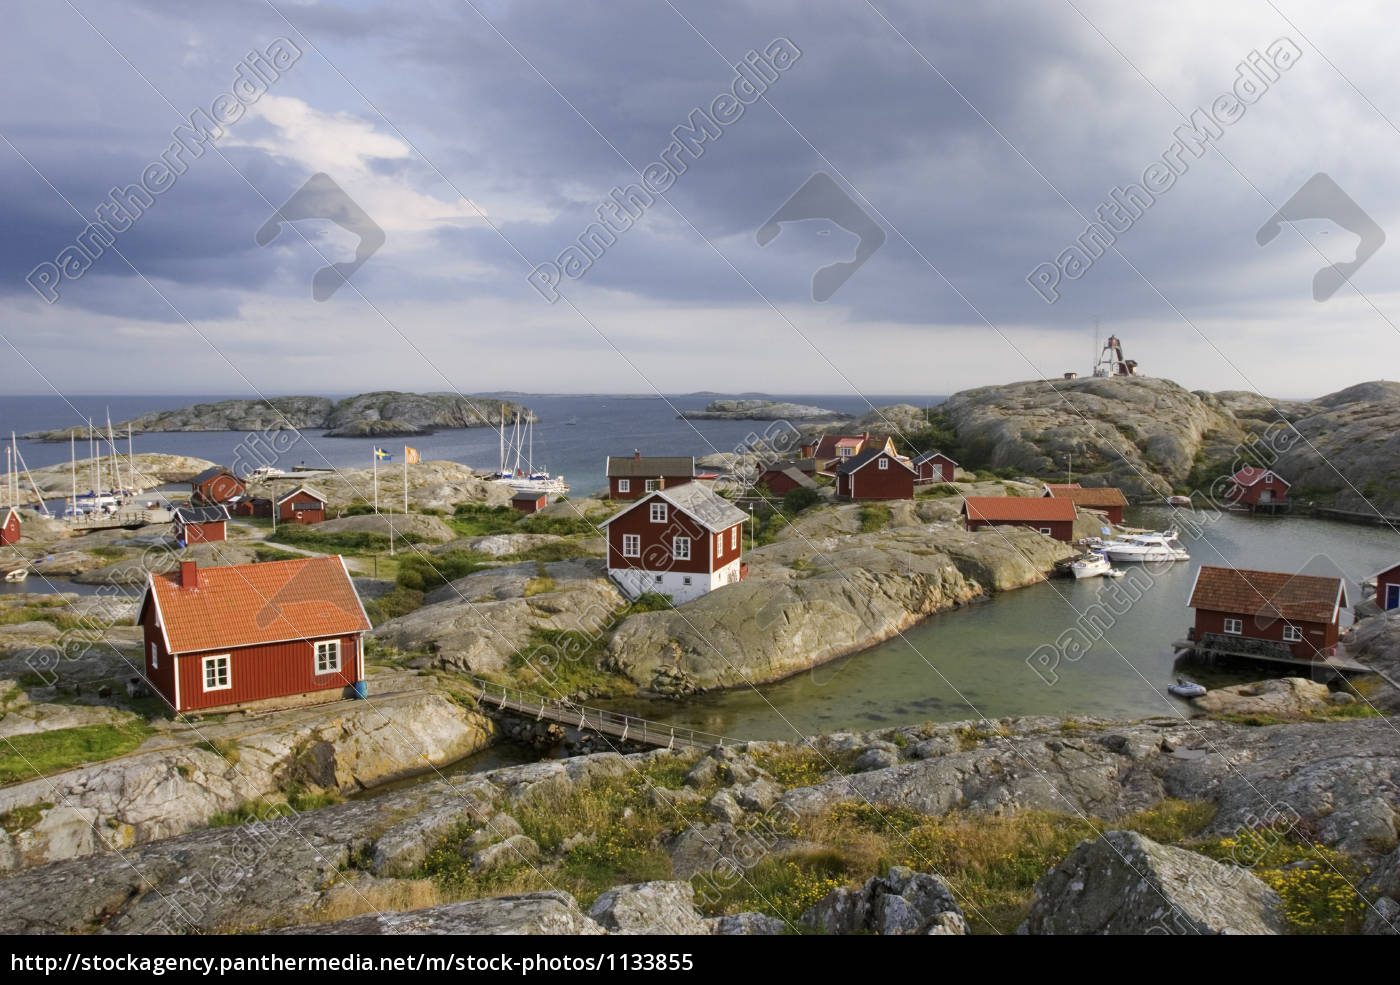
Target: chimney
[660,482]
[636,455]
[189,574]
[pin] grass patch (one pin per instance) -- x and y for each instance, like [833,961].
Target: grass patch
[223,748]
[20,819]
[1327,713]
[562,525]
[399,601]
[58,612]
[264,553]
[940,490]
[477,520]
[24,757]
[423,574]
[874,517]
[563,662]
[795,767]
[556,550]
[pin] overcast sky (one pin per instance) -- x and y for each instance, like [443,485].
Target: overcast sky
[482,137]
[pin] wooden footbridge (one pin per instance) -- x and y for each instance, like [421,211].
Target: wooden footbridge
[129,518]
[624,727]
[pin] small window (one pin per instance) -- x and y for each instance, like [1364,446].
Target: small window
[1292,634]
[845,453]
[734,536]
[155,657]
[680,548]
[328,657]
[1047,531]
[217,676]
[687,579]
[658,512]
[884,464]
[653,485]
[658,579]
[1234,626]
[624,485]
[631,545]
[719,544]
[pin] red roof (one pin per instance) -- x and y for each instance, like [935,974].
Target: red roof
[826,447]
[1094,496]
[1271,594]
[999,509]
[1249,475]
[1054,487]
[248,604]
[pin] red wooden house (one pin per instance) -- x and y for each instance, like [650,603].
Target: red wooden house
[681,542]
[215,484]
[10,529]
[529,502]
[632,478]
[1267,613]
[200,524]
[934,466]
[831,449]
[301,505]
[1052,517]
[1387,587]
[1106,499]
[267,635]
[1258,489]
[780,478]
[875,473]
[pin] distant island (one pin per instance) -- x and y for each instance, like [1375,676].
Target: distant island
[761,410]
[384,414]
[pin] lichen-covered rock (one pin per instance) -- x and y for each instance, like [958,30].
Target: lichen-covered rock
[550,912]
[900,903]
[649,908]
[1125,883]
[1288,697]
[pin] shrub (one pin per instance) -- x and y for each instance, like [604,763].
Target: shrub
[426,573]
[800,499]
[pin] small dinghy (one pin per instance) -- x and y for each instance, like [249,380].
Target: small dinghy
[1186,689]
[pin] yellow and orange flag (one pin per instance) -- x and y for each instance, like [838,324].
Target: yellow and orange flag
[410,455]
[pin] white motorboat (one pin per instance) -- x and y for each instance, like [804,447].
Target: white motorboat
[17,574]
[1186,689]
[1146,547]
[1178,500]
[1092,566]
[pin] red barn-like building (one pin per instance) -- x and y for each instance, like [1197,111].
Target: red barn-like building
[1052,517]
[200,524]
[1387,587]
[875,473]
[1258,489]
[10,529]
[1106,499]
[301,505]
[269,635]
[1278,613]
[632,478]
[529,502]
[215,484]
[680,542]
[934,466]
[780,478]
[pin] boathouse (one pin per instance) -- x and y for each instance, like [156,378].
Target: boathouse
[1266,614]
[302,505]
[215,484]
[269,635]
[1108,500]
[680,541]
[1387,584]
[875,473]
[934,466]
[200,524]
[1050,516]
[634,477]
[10,529]
[529,501]
[1258,490]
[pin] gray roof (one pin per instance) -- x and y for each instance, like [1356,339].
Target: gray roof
[696,499]
[870,454]
[919,460]
[801,464]
[200,514]
[302,489]
[648,468]
[799,477]
[209,473]
[526,496]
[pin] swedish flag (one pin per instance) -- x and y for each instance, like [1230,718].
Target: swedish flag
[380,453]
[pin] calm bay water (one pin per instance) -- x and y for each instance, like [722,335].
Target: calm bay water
[971,663]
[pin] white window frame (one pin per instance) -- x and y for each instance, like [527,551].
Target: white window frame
[658,512]
[676,544]
[631,545]
[228,671]
[686,580]
[624,485]
[658,579]
[653,485]
[719,544]
[1047,531]
[316,657]
[734,536]
[884,464]
[1238,629]
[1292,634]
[844,452]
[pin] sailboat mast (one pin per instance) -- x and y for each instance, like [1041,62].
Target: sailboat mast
[73,466]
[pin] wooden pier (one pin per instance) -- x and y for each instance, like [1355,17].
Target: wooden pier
[1339,663]
[627,728]
[129,518]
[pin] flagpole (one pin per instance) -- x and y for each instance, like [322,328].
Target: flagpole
[374,453]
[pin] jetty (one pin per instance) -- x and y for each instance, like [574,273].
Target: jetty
[1339,662]
[129,518]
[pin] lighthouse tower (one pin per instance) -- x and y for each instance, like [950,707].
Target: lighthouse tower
[1111,361]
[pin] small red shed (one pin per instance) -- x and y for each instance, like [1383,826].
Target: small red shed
[875,473]
[1387,587]
[527,501]
[215,484]
[1052,517]
[200,524]
[780,478]
[1258,489]
[273,634]
[10,529]
[1300,614]
[934,466]
[301,505]
[1106,499]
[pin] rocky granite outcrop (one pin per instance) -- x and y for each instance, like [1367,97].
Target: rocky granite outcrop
[151,469]
[1124,883]
[1287,697]
[760,410]
[420,528]
[431,485]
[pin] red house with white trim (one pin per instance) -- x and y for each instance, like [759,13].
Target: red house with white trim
[1278,613]
[934,466]
[1387,587]
[267,635]
[200,524]
[215,484]
[1258,489]
[1052,517]
[632,478]
[10,529]
[681,542]
[875,473]
[302,505]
